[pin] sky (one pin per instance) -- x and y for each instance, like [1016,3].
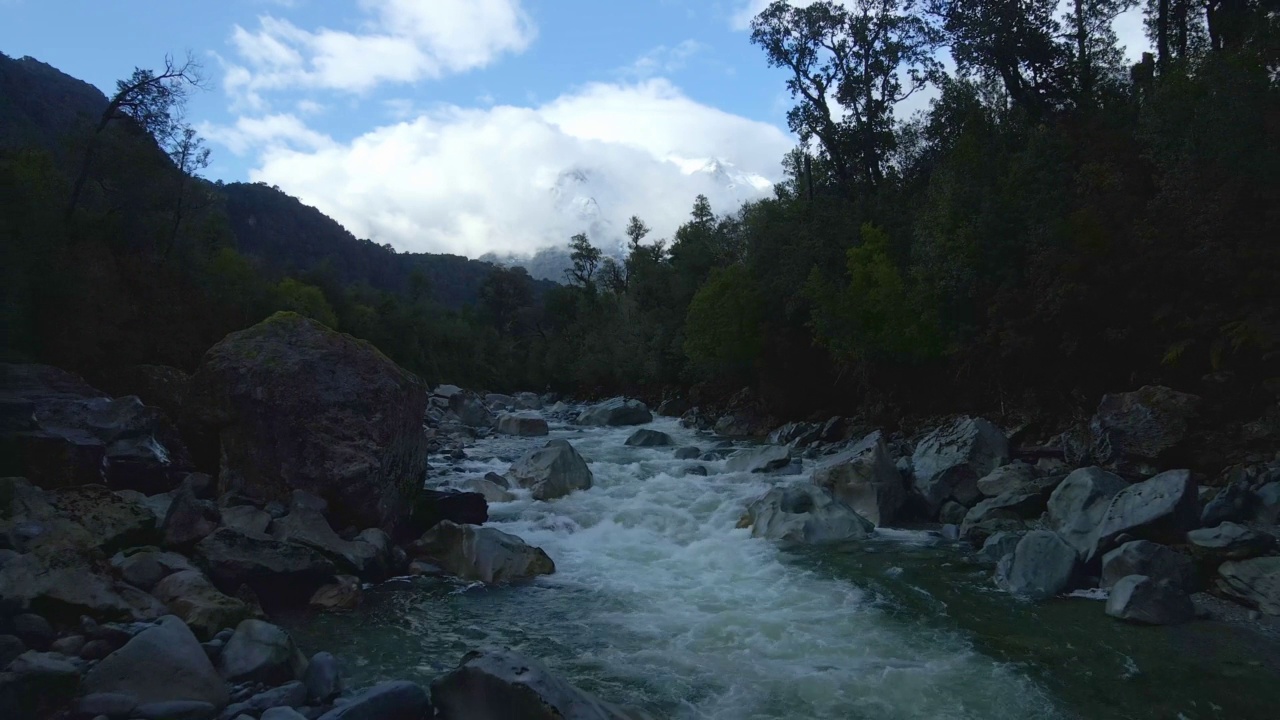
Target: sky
[460,126]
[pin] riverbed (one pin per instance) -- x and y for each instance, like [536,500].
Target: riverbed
[660,602]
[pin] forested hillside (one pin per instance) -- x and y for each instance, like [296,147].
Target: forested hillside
[1058,224]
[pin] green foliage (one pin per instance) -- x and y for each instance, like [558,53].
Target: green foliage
[304,299]
[722,328]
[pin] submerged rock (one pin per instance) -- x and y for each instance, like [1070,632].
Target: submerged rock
[492,491]
[769,458]
[1140,599]
[649,438]
[866,479]
[522,424]
[616,411]
[804,514]
[552,471]
[485,554]
[500,684]
[949,461]
[290,404]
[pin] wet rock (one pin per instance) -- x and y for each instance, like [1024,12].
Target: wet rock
[1228,541]
[162,663]
[649,438]
[261,652]
[1145,424]
[1042,565]
[189,520]
[522,424]
[66,593]
[1077,506]
[176,710]
[290,404]
[483,554]
[498,400]
[281,713]
[673,407]
[112,705]
[1255,582]
[10,647]
[188,594]
[804,514]
[97,649]
[281,573]
[866,479]
[1267,503]
[247,519]
[1230,505]
[952,513]
[145,568]
[764,459]
[308,526]
[1014,505]
[998,545]
[1016,477]
[687,453]
[112,521]
[290,694]
[34,631]
[552,471]
[434,506]
[528,401]
[323,678]
[36,684]
[498,684]
[1141,557]
[395,700]
[616,411]
[342,594]
[948,462]
[977,533]
[492,492]
[1141,599]
[698,470]
[1161,509]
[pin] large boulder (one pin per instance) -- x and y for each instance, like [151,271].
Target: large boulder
[552,471]
[395,700]
[1011,505]
[1077,505]
[492,490]
[1161,509]
[616,411]
[499,684]
[1228,541]
[528,401]
[764,459]
[112,521]
[1142,557]
[1041,566]
[1255,582]
[470,409]
[1016,477]
[1143,425]
[307,526]
[949,461]
[66,592]
[189,519]
[866,479]
[290,404]
[433,506]
[146,567]
[485,554]
[644,437]
[163,663]
[804,514]
[1140,599]
[261,652]
[189,595]
[523,424]
[281,573]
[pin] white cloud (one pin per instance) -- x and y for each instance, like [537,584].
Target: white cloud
[663,60]
[269,131]
[475,180]
[401,41]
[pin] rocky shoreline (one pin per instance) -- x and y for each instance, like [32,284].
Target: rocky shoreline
[146,540]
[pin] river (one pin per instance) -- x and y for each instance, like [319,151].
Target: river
[660,602]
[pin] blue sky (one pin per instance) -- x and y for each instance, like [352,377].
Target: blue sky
[454,125]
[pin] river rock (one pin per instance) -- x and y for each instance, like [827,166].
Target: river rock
[289,694]
[522,424]
[162,663]
[176,710]
[1255,582]
[528,401]
[616,411]
[688,453]
[500,684]
[1145,424]
[952,513]
[342,594]
[395,700]
[492,491]
[471,409]
[673,407]
[436,505]
[34,631]
[1078,504]
[290,404]
[485,554]
[261,652]
[866,479]
[247,519]
[1162,508]
[1012,505]
[1140,599]
[1017,476]
[279,713]
[552,471]
[323,678]
[1228,541]
[764,459]
[1267,503]
[948,462]
[65,593]
[499,401]
[189,520]
[10,647]
[112,521]
[147,567]
[281,573]
[804,514]
[189,595]
[308,526]
[1041,566]
[111,705]
[998,545]
[37,684]
[1142,557]
[645,437]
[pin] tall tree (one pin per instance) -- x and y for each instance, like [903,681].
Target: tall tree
[1095,54]
[585,258]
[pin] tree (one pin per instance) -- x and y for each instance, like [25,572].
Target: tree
[722,328]
[864,56]
[504,295]
[1093,42]
[187,151]
[149,98]
[585,258]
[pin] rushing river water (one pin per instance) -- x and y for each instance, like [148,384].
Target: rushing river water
[660,602]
